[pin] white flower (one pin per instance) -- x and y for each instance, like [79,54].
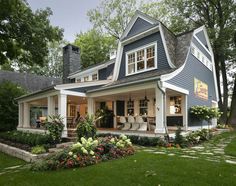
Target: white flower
[90,139]
[91,152]
[112,140]
[95,142]
[75,156]
[85,151]
[70,153]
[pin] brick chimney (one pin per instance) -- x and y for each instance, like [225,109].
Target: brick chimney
[71,61]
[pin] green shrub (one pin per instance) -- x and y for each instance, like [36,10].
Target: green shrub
[31,139]
[8,105]
[86,127]
[179,139]
[39,149]
[55,127]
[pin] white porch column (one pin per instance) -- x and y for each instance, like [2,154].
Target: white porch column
[91,107]
[51,106]
[26,118]
[20,115]
[62,111]
[185,112]
[160,128]
[115,114]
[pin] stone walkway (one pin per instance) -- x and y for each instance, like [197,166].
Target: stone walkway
[208,151]
[12,169]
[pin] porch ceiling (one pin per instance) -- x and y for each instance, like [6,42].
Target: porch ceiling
[76,100]
[138,94]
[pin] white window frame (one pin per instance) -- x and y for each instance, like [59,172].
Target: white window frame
[201,57]
[145,59]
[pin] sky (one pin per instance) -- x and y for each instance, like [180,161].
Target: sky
[71,15]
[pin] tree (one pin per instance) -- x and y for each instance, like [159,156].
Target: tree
[94,47]
[53,62]
[112,16]
[8,105]
[24,34]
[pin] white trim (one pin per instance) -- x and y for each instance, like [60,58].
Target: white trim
[137,15]
[175,88]
[199,41]
[82,84]
[118,61]
[40,96]
[145,61]
[72,93]
[90,70]
[165,47]
[186,112]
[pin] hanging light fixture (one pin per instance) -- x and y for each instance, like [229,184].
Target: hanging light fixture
[145,97]
[129,101]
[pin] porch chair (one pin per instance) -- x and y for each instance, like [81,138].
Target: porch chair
[135,125]
[126,125]
[143,125]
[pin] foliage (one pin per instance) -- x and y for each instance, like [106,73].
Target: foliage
[31,139]
[55,127]
[53,62]
[230,149]
[88,152]
[39,149]
[94,47]
[86,127]
[222,126]
[204,112]
[113,16]
[8,105]
[179,139]
[24,33]
[106,116]
[196,137]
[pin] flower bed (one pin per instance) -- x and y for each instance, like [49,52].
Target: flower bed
[88,152]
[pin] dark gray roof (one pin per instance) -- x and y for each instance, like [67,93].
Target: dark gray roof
[30,82]
[92,66]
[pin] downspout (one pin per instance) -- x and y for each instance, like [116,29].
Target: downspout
[164,109]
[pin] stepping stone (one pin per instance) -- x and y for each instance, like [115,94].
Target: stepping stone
[198,148]
[159,152]
[185,156]
[206,153]
[171,154]
[212,160]
[13,167]
[148,150]
[218,152]
[190,151]
[230,161]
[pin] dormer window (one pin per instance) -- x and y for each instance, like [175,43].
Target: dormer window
[141,60]
[86,78]
[95,77]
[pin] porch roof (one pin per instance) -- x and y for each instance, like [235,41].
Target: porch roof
[84,89]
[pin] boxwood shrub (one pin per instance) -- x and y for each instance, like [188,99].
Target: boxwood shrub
[26,138]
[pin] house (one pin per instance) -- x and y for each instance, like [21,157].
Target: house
[155,74]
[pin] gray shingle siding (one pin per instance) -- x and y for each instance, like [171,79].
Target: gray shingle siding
[104,73]
[162,62]
[202,38]
[139,26]
[201,48]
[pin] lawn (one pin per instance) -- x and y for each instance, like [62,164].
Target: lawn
[143,168]
[230,149]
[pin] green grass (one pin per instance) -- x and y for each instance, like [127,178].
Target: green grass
[8,161]
[165,170]
[230,149]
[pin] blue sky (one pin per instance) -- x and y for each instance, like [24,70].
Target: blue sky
[71,15]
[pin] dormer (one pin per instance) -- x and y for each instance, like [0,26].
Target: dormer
[145,46]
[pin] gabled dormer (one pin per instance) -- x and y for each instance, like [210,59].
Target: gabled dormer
[146,46]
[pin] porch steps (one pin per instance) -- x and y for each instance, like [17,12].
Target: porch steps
[71,133]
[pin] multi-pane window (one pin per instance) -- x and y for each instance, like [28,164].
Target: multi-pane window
[131,63]
[78,80]
[130,107]
[86,78]
[143,107]
[201,57]
[141,60]
[95,77]
[175,105]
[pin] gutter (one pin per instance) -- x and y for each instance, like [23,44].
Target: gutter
[164,109]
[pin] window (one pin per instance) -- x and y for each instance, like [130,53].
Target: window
[86,78]
[95,77]
[78,80]
[175,105]
[201,57]
[130,107]
[143,107]
[141,60]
